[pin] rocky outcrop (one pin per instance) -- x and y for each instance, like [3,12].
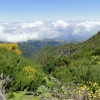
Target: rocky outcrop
[2,86]
[67,51]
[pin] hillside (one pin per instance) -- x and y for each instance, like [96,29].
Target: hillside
[90,46]
[74,63]
[84,56]
[58,72]
[55,51]
[30,47]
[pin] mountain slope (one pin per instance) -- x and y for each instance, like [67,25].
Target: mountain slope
[54,51]
[30,47]
[89,47]
[78,63]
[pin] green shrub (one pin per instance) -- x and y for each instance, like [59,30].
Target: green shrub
[63,74]
[51,65]
[96,52]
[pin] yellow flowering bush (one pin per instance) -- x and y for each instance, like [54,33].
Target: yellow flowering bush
[11,47]
[1,45]
[30,71]
[91,90]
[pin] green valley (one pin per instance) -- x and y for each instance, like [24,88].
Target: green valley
[30,47]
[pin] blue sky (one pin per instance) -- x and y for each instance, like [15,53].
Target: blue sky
[48,10]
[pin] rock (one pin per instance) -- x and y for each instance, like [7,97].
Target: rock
[2,96]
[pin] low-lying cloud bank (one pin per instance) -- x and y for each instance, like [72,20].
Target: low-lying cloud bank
[23,31]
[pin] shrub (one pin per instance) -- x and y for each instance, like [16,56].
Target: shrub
[10,47]
[51,65]
[63,74]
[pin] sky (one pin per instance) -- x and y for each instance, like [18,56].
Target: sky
[48,10]
[23,20]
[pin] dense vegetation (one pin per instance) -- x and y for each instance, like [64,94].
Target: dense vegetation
[19,69]
[75,63]
[54,72]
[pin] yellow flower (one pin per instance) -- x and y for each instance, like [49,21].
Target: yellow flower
[11,47]
[30,71]
[62,87]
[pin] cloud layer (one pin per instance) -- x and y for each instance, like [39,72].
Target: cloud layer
[67,30]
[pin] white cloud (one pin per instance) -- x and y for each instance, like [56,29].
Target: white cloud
[35,24]
[89,24]
[76,31]
[20,37]
[1,28]
[18,32]
[60,24]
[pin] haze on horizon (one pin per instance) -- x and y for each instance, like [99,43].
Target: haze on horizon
[22,20]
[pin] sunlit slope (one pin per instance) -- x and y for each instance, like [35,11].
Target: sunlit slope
[54,51]
[89,47]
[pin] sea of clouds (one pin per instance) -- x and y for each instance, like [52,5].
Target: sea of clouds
[67,30]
